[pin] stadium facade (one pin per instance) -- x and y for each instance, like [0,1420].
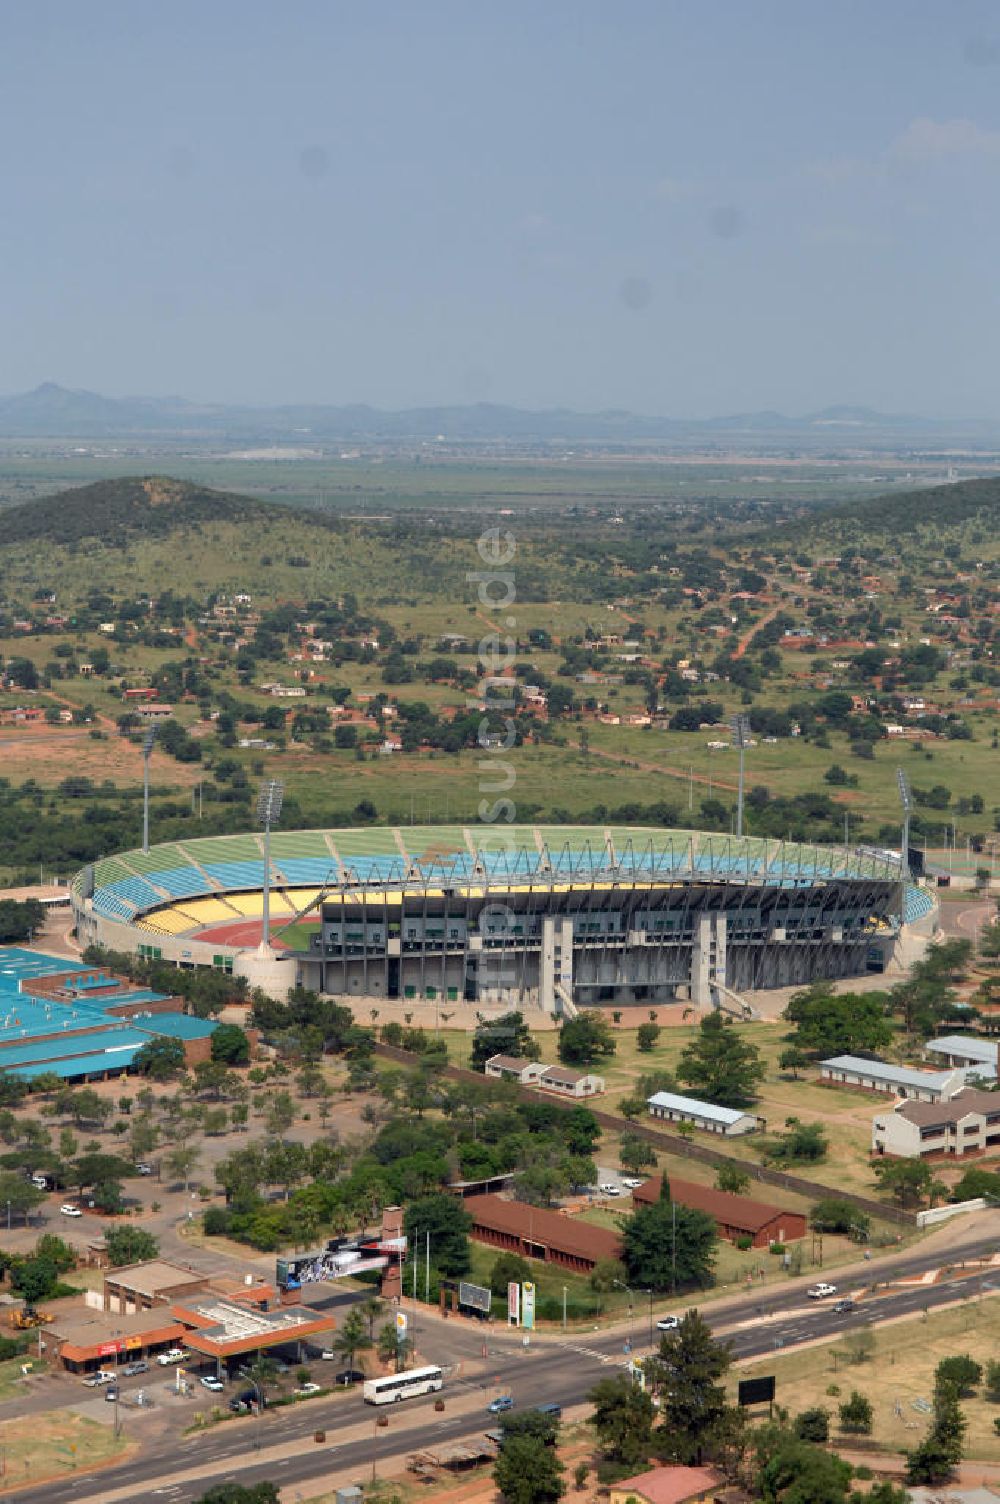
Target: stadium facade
[554,917]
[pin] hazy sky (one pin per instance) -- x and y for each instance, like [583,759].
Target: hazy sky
[674,206]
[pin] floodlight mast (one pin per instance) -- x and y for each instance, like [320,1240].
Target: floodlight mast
[148,738]
[906,800]
[741,735]
[268,810]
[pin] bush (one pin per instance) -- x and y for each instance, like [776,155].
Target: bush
[992,1391]
[744,1241]
[813,1425]
[856,1414]
[217,1221]
[776,1248]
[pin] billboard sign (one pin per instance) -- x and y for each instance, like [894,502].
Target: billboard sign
[478,1297]
[528,1305]
[757,1391]
[514,1303]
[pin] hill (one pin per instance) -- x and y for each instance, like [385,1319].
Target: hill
[56,412]
[939,506]
[115,510]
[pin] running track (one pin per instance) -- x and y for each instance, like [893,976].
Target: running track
[246,933]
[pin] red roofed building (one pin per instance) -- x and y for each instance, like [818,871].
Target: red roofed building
[539,1234]
[735,1216]
[668,1485]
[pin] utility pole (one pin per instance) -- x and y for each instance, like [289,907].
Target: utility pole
[427,1269]
[741,735]
[269,802]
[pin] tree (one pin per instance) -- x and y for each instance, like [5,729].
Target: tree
[230,1045]
[797,1472]
[371,1309]
[992,1390]
[34,1278]
[935,1459]
[720,1064]
[623,1419]
[835,1215]
[689,1368]
[803,1142]
[665,1245]
[19,1194]
[448,1223]
[352,1336]
[160,1059]
[830,1023]
[962,1372]
[532,1422]
[107,1197]
[586,1038]
[97,1169]
[635,1152]
[85,1106]
[280,1113]
[129,1245]
[732,1179]
[508,1269]
[856,1414]
[908,1180]
[181,1161]
[527,1471]
[506,1035]
[793,1059]
[646,1036]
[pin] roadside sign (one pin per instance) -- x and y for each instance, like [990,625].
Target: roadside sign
[514,1304]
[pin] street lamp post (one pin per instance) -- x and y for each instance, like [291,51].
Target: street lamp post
[268,810]
[631,1308]
[741,735]
[650,1294]
[148,738]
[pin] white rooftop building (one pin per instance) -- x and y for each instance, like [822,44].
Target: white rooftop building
[673,1108]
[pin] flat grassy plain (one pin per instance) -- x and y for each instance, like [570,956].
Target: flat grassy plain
[900,1371]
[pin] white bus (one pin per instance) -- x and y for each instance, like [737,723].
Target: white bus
[402,1386]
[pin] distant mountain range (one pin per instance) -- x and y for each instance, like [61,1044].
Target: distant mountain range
[54,412]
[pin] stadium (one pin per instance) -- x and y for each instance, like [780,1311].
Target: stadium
[555,917]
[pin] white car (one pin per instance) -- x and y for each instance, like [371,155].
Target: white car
[630,1183]
[309,1388]
[610,1190]
[69,1210]
[172,1355]
[102,1376]
[668,1323]
[821,1291]
[211,1382]
[40,1181]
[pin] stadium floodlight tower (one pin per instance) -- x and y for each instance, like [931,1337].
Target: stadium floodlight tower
[268,810]
[906,800]
[148,738]
[740,725]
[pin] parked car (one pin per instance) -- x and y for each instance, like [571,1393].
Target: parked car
[144,1169]
[69,1210]
[101,1376]
[111,1394]
[348,1375]
[631,1183]
[40,1181]
[209,1381]
[668,1323]
[246,1398]
[842,1306]
[139,1366]
[610,1190]
[172,1355]
[821,1291]
[309,1388]
[501,1403]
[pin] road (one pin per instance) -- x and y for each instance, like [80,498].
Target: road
[561,1369]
